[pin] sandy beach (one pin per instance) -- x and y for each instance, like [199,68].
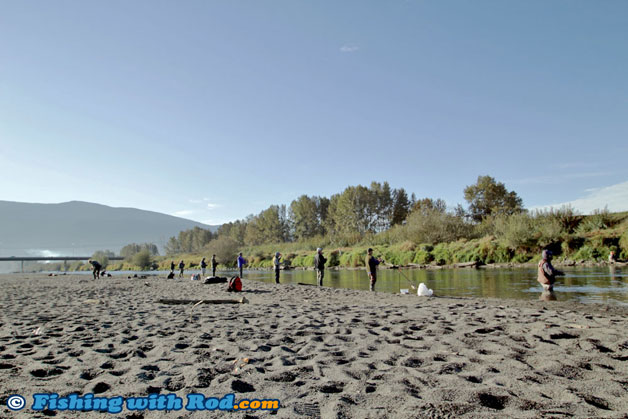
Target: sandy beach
[322,352]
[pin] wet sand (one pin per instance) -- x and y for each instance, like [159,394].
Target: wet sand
[322,352]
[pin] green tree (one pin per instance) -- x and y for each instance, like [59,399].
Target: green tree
[143,259]
[225,248]
[236,230]
[270,226]
[400,208]
[306,216]
[516,231]
[173,247]
[129,250]
[381,201]
[432,225]
[429,204]
[352,211]
[488,197]
[189,241]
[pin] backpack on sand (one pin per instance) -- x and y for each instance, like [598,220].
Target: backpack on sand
[235,284]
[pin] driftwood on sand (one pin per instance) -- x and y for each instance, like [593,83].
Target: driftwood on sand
[242,300]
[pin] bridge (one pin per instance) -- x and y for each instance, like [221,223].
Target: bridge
[48,258]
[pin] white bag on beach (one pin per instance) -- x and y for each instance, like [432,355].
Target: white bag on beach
[424,291]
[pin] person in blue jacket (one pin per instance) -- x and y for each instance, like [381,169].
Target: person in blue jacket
[241,262]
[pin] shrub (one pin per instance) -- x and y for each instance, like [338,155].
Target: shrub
[587,252]
[516,231]
[566,216]
[441,253]
[433,226]
[623,245]
[334,258]
[423,257]
[549,230]
[308,261]
[407,246]
[143,259]
[345,258]
[599,220]
[398,257]
[426,247]
[521,258]
[225,248]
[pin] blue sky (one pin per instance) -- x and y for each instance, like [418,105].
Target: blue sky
[213,110]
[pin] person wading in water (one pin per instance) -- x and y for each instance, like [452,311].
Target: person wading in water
[547,273]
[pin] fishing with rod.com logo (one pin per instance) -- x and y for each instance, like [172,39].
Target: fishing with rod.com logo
[152,402]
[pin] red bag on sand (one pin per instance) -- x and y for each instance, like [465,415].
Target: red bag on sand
[235,284]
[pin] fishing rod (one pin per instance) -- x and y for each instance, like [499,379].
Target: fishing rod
[404,275]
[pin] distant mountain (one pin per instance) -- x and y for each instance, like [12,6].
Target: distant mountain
[80,228]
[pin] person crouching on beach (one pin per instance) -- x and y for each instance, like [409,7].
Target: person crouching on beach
[277,265]
[371,267]
[547,273]
[181,269]
[97,267]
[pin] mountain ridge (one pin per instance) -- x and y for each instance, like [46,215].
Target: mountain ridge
[77,226]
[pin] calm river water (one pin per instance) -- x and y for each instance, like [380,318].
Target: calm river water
[587,285]
[608,285]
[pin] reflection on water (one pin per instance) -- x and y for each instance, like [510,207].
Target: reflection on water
[547,295]
[588,285]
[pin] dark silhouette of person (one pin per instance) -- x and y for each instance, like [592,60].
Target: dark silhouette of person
[214,265]
[319,265]
[97,267]
[371,268]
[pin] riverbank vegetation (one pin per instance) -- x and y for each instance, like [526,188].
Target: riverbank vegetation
[493,228]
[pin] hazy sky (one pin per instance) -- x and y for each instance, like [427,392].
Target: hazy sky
[213,110]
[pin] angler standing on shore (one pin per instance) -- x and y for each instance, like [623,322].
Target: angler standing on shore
[371,268]
[203,267]
[277,265]
[319,265]
[214,265]
[241,262]
[181,268]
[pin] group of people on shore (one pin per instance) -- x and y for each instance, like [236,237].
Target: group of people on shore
[203,265]
[319,266]
[546,275]
[240,262]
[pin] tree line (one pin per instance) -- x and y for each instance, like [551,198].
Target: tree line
[494,227]
[346,218]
